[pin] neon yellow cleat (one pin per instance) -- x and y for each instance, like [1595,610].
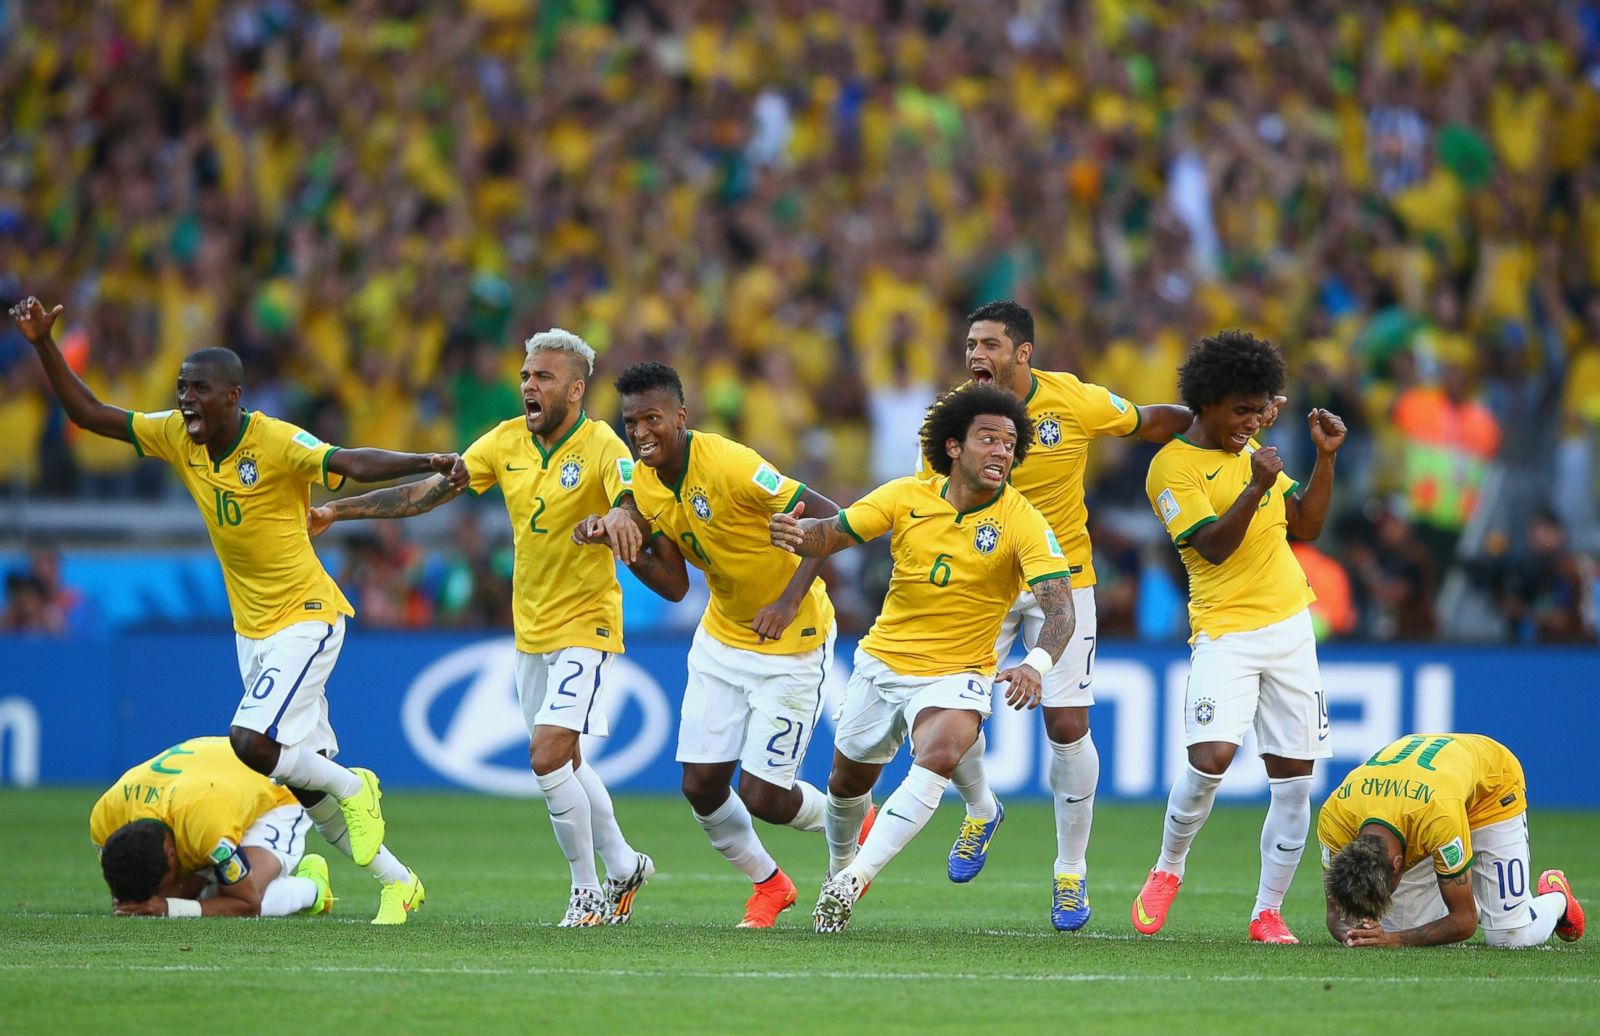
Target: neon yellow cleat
[399,899]
[315,870]
[363,818]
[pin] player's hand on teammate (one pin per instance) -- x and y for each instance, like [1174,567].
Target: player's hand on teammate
[784,530]
[317,521]
[453,468]
[1024,685]
[155,906]
[615,529]
[1265,466]
[33,320]
[771,621]
[1327,430]
[1269,416]
[1369,933]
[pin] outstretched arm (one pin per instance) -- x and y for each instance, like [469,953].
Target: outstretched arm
[81,406]
[405,501]
[1159,422]
[809,537]
[771,621]
[1306,512]
[366,464]
[1026,681]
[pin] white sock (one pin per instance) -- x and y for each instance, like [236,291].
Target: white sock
[843,827]
[813,808]
[568,804]
[733,834]
[287,895]
[308,771]
[1283,839]
[904,813]
[329,822]
[1547,910]
[1187,808]
[618,856]
[1074,774]
[972,782]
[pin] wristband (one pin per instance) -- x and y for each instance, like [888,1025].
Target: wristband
[1040,659]
[183,908]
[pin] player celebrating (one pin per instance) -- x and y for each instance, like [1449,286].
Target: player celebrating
[964,545]
[1067,415]
[1227,504]
[251,477]
[196,833]
[1428,839]
[553,465]
[757,665]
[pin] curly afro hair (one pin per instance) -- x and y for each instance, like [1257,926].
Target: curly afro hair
[1357,880]
[642,377]
[1015,317]
[953,413]
[134,860]
[1228,363]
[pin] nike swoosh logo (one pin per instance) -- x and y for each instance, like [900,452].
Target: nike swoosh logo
[1144,918]
[1084,798]
[513,467]
[564,812]
[244,708]
[558,708]
[914,514]
[897,816]
[1185,823]
[1290,848]
[1213,475]
[197,467]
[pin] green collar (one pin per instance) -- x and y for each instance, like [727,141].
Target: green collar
[545,456]
[944,489]
[1032,388]
[1209,449]
[688,444]
[244,422]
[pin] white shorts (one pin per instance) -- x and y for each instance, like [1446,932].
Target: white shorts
[1067,683]
[1502,886]
[579,674]
[759,709]
[281,832]
[285,684]
[880,706]
[1266,679]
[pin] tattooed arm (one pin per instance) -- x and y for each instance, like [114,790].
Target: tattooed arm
[413,498]
[1026,682]
[1458,924]
[659,565]
[809,537]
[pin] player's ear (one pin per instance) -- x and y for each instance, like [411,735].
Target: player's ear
[576,390]
[1025,352]
[952,448]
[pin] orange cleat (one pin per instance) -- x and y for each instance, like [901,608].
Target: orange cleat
[1269,927]
[771,898]
[861,839]
[1570,927]
[1150,906]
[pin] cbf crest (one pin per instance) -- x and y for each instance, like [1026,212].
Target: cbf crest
[1205,710]
[249,474]
[571,473]
[986,538]
[700,504]
[1048,431]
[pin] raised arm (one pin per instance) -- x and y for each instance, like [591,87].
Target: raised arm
[366,464]
[1216,541]
[81,406]
[405,501]
[1025,682]
[1306,512]
[1159,422]
[771,621]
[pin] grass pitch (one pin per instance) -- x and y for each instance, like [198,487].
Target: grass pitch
[921,954]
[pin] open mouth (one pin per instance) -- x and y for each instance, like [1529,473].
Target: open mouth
[534,408]
[983,376]
[1240,440]
[648,450]
[193,423]
[994,472]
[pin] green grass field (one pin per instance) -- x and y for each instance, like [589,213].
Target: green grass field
[920,955]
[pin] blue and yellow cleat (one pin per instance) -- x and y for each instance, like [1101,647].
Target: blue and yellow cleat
[971,850]
[1069,906]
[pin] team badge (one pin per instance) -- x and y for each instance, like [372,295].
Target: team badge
[571,471]
[986,539]
[701,506]
[1049,432]
[1205,710]
[248,472]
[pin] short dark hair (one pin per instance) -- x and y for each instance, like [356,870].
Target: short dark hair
[1230,362]
[951,416]
[642,377]
[134,860]
[225,362]
[1014,315]
[1357,879]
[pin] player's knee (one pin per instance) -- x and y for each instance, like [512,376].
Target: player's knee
[1212,759]
[548,754]
[1065,726]
[940,755]
[254,749]
[704,794]
[767,801]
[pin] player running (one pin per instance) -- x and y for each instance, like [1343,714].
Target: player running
[1427,840]
[964,545]
[553,465]
[251,477]
[757,665]
[1227,504]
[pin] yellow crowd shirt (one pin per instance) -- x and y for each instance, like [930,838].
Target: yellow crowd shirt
[1432,791]
[718,516]
[254,501]
[202,793]
[564,595]
[956,573]
[1258,584]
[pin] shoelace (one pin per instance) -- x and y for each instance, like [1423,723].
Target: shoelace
[971,838]
[1069,893]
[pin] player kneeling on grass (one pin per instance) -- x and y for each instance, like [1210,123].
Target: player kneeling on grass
[1428,839]
[964,545]
[196,833]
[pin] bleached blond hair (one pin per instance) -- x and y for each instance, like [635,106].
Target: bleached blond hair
[560,340]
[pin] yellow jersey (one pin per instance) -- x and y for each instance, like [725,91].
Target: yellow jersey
[718,516]
[201,792]
[564,595]
[1258,584]
[956,573]
[254,501]
[1431,790]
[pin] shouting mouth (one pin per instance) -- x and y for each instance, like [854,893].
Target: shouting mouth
[193,423]
[982,375]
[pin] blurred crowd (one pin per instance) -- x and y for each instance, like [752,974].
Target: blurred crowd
[794,202]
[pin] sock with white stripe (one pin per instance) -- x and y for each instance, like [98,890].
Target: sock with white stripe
[1283,839]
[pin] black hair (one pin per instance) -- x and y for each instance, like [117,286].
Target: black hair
[953,413]
[1014,315]
[642,377]
[134,860]
[1227,363]
[225,362]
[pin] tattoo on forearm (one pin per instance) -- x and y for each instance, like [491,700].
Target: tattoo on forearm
[1055,600]
[413,498]
[817,534]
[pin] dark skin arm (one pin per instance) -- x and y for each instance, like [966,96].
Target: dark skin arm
[661,567]
[1307,512]
[366,464]
[85,411]
[405,501]
[1458,924]
[1217,540]
[241,899]
[809,537]
[653,558]
[771,621]
[1159,422]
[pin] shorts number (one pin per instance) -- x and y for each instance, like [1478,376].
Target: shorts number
[692,541]
[1322,715]
[976,691]
[264,683]
[799,729]
[1088,666]
[939,574]
[228,512]
[561,689]
[159,764]
[1425,760]
[533,522]
[1513,879]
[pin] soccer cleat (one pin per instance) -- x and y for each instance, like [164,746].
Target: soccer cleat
[771,898]
[839,896]
[1570,927]
[971,850]
[1150,906]
[1069,906]
[586,909]
[315,870]
[399,899]
[619,894]
[1269,927]
[861,839]
[363,818]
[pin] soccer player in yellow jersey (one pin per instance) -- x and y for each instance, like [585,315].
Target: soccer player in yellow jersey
[1227,505]
[554,465]
[1427,840]
[764,647]
[963,545]
[1067,415]
[251,477]
[196,833]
